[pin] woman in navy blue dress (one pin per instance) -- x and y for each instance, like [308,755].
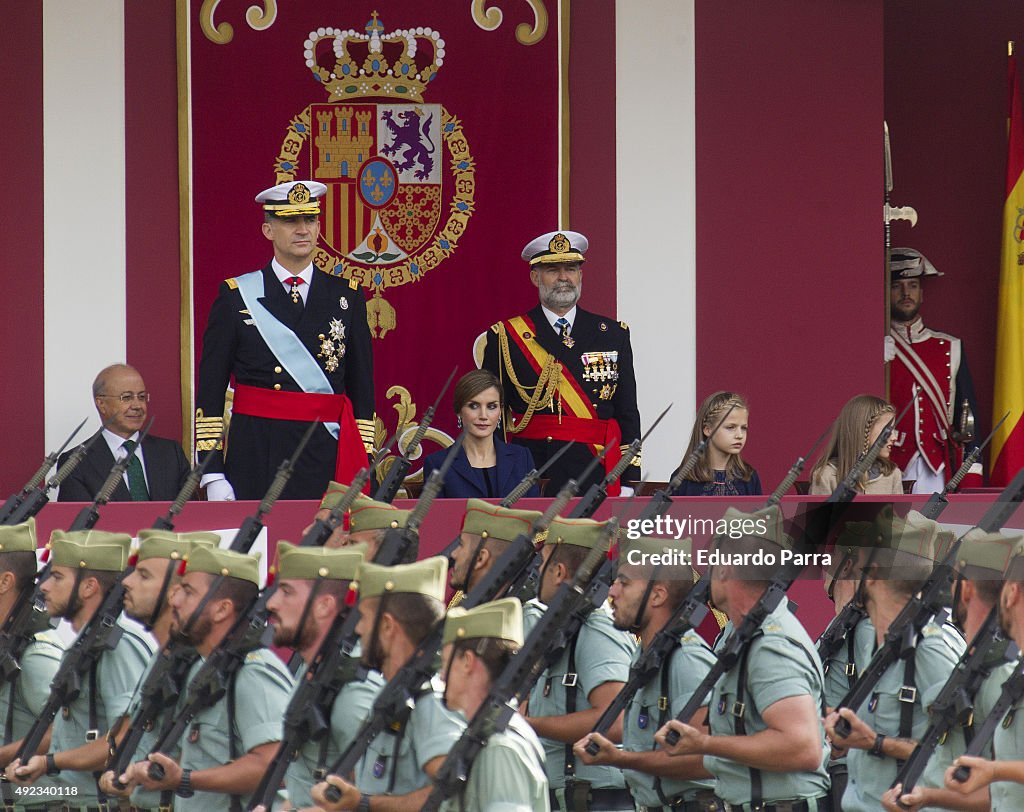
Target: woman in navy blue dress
[721,471]
[486,467]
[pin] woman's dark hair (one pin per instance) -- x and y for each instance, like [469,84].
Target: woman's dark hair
[472,384]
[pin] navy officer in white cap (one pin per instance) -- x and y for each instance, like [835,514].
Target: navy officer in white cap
[567,374]
[297,343]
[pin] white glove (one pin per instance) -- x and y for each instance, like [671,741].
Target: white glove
[888,349]
[625,490]
[219,490]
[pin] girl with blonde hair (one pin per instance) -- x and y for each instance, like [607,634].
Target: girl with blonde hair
[721,470]
[859,423]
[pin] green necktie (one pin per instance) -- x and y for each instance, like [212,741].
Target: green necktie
[136,477]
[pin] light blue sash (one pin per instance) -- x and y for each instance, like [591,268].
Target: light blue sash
[284,344]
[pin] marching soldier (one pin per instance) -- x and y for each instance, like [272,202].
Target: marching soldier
[766,748]
[508,774]
[567,374]
[366,522]
[569,696]
[312,585]
[147,592]
[487,532]
[981,562]
[398,607]
[229,744]
[1003,776]
[841,667]
[85,566]
[24,695]
[886,728]
[296,341]
[643,599]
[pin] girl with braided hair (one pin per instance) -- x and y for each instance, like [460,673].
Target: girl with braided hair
[859,423]
[721,470]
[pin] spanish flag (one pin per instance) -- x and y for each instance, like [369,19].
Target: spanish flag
[1008,443]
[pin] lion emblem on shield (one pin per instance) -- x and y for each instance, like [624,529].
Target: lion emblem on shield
[409,137]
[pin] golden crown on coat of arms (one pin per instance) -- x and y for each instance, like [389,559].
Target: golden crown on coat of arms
[399,64]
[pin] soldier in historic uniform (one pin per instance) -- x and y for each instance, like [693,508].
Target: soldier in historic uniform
[934,362]
[297,344]
[567,374]
[85,566]
[313,583]
[25,693]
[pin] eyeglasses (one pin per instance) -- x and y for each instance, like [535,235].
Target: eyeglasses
[128,397]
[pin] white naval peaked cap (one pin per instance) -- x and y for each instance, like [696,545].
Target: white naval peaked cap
[556,246]
[293,198]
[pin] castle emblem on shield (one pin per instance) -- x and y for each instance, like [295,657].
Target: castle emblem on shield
[398,170]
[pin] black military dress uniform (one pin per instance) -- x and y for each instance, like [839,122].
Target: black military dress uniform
[332,326]
[597,367]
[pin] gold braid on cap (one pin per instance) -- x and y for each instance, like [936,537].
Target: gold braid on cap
[543,393]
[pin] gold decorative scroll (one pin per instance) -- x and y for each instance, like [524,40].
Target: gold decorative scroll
[490,18]
[406,428]
[259,19]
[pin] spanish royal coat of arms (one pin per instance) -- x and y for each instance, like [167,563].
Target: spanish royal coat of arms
[399,174]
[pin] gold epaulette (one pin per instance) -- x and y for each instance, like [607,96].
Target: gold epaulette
[366,433]
[352,283]
[232,283]
[494,327]
[208,431]
[623,325]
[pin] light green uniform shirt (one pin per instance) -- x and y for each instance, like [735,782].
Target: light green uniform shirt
[837,681]
[603,654]
[937,653]
[350,709]
[954,745]
[781,663]
[687,666]
[507,775]
[117,674]
[394,763]
[261,687]
[1008,744]
[29,692]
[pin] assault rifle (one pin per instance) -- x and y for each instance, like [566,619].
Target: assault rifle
[36,499]
[817,526]
[517,493]
[307,717]
[598,492]
[955,703]
[663,498]
[903,632]
[165,679]
[937,501]
[396,700]
[15,499]
[188,488]
[794,471]
[90,514]
[518,676]
[400,467]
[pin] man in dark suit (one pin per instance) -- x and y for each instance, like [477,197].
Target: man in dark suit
[296,342]
[567,374]
[158,469]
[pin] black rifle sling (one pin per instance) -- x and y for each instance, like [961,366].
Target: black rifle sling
[851,658]
[907,697]
[570,707]
[664,714]
[236,800]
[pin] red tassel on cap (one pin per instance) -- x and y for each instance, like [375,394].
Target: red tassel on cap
[352,595]
[181,567]
[133,559]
